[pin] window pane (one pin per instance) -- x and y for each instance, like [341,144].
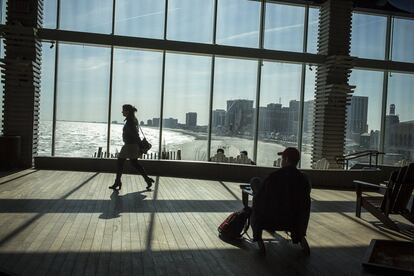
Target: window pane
[49,14]
[186,105]
[313,25]
[279,110]
[399,122]
[3,11]
[368,36]
[141,18]
[238,23]
[190,20]
[308,117]
[136,81]
[93,16]
[284,27]
[235,82]
[46,100]
[364,112]
[82,100]
[403,40]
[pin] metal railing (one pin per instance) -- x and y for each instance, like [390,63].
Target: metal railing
[344,160]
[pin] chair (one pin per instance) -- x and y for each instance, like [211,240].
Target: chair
[396,195]
[321,164]
[247,191]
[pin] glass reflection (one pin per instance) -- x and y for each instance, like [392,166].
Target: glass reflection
[82,100]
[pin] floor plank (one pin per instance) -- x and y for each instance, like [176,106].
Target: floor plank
[70,223]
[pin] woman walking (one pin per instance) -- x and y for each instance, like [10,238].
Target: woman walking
[130,149]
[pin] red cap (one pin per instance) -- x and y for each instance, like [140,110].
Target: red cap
[292,154]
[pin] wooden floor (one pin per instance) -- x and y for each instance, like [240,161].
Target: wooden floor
[70,223]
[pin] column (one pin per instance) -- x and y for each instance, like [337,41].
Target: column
[332,93]
[21,78]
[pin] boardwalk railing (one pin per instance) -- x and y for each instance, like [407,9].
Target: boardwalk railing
[344,160]
[168,155]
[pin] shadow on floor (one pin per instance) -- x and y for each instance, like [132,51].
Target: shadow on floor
[281,259]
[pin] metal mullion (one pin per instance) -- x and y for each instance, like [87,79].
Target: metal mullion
[55,81]
[259,79]
[163,81]
[111,73]
[381,144]
[213,68]
[303,81]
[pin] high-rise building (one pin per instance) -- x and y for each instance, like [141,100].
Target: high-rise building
[156,122]
[293,117]
[308,109]
[357,116]
[191,119]
[239,116]
[219,118]
[170,123]
[278,116]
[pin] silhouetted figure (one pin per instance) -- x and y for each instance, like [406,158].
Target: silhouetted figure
[219,156]
[130,149]
[282,201]
[245,158]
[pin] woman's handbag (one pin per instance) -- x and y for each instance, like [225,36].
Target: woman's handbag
[144,145]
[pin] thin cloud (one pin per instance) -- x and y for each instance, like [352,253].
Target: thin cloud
[146,15]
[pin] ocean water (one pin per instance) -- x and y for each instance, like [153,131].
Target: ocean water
[82,139]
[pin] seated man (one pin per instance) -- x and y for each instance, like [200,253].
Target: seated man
[282,201]
[219,156]
[244,158]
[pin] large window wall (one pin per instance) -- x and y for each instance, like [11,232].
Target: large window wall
[208,102]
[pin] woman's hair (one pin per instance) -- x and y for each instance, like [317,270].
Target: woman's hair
[129,108]
[131,112]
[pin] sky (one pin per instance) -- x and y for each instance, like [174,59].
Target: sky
[83,75]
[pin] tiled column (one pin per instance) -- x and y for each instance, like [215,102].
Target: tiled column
[332,93]
[21,78]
